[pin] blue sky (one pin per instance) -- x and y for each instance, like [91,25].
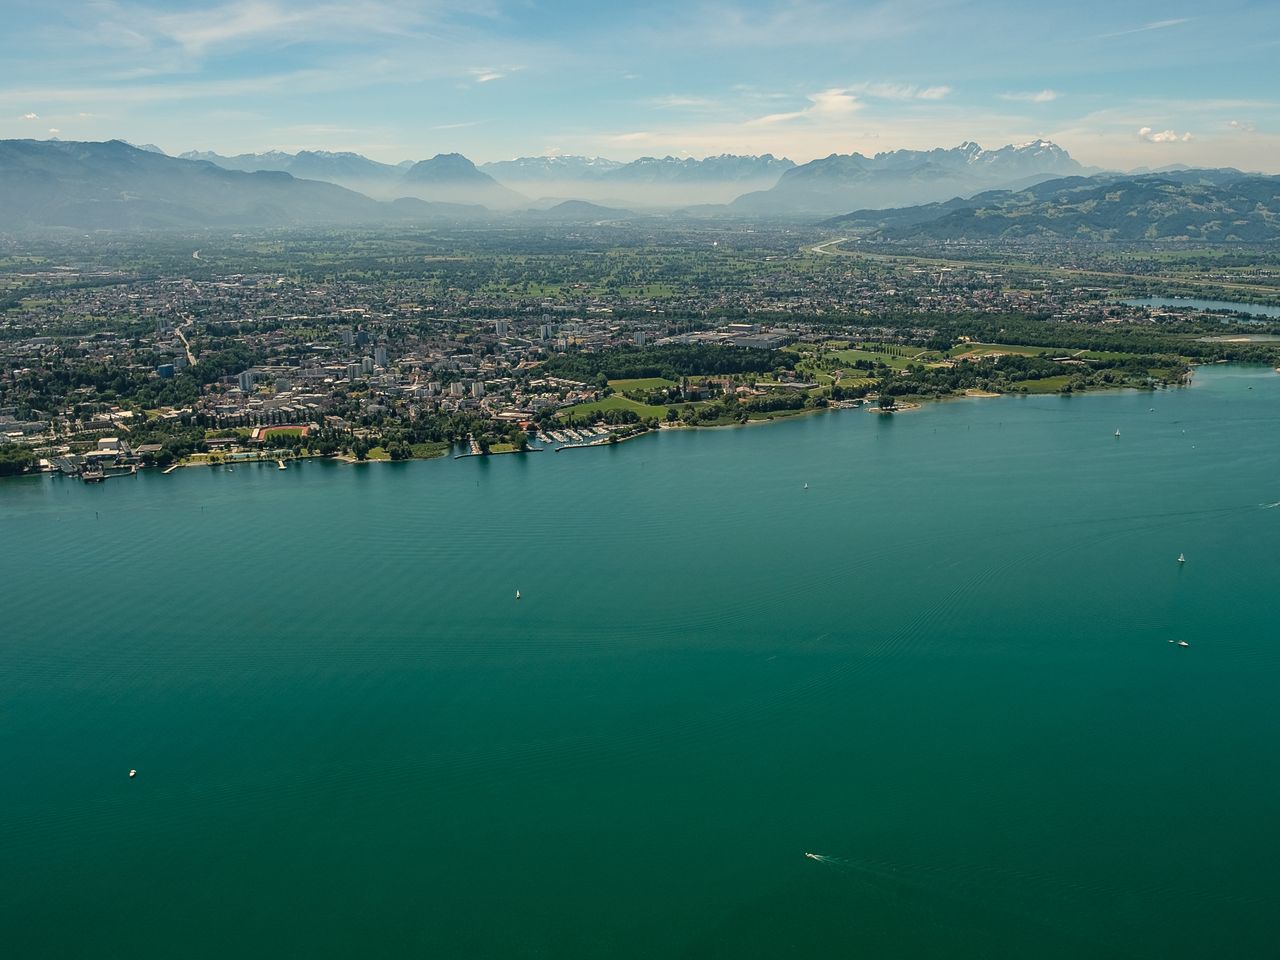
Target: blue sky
[1119,84]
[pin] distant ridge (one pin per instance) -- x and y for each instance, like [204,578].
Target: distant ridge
[555,169]
[650,182]
[762,185]
[451,176]
[1201,205]
[842,182]
[579,210]
[114,186]
[349,170]
[726,167]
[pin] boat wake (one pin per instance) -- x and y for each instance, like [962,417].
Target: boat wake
[830,861]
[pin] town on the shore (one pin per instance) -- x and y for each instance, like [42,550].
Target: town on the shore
[104,370]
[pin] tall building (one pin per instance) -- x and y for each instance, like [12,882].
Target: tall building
[477,389]
[380,355]
[247,380]
[502,327]
[366,365]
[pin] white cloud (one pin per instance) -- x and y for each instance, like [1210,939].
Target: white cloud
[835,102]
[803,24]
[341,75]
[678,102]
[1153,25]
[1242,126]
[902,91]
[1163,136]
[241,23]
[490,74]
[1032,96]
[775,118]
[638,136]
[55,131]
[31,116]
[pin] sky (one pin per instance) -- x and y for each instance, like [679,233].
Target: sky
[1120,84]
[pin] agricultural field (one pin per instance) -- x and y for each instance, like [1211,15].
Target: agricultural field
[1046,384]
[971,350]
[615,402]
[642,384]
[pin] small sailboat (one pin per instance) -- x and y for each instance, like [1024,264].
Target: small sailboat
[517,594]
[1117,434]
[132,774]
[1182,558]
[806,486]
[1180,643]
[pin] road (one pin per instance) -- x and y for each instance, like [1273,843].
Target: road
[822,247]
[191,357]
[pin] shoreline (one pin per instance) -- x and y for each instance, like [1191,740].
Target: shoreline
[911,405]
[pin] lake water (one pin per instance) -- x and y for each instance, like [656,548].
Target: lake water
[945,666]
[1190,303]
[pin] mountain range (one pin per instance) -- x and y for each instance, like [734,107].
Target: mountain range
[752,185]
[842,182]
[647,182]
[1202,205]
[114,185]
[446,177]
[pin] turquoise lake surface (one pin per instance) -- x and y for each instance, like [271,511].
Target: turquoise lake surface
[944,667]
[1191,303]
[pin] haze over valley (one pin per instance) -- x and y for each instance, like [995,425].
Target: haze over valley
[114,185]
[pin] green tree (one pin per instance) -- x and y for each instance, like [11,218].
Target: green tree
[15,459]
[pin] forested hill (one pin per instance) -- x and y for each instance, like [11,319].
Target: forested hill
[1208,205]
